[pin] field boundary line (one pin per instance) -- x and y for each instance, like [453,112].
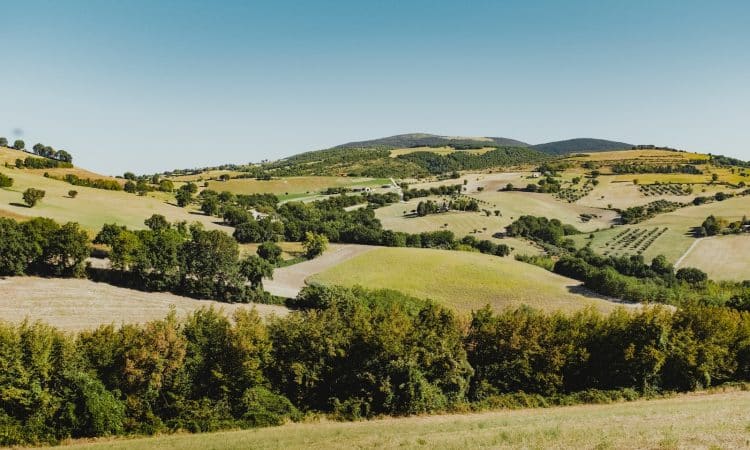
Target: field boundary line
[687,252]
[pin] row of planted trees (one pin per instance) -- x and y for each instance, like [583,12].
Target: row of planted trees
[352,354]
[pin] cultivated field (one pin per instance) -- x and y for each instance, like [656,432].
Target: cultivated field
[619,191]
[680,224]
[464,281]
[721,257]
[73,304]
[92,208]
[719,420]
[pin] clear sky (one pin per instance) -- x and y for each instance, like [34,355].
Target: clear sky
[154,85]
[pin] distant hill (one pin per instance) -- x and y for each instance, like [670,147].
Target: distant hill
[432,140]
[580,145]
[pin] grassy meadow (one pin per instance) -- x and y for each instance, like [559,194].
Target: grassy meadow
[92,208]
[716,421]
[464,281]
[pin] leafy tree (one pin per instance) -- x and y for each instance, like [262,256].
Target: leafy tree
[3,141]
[72,194]
[314,244]
[255,268]
[692,275]
[166,186]
[157,222]
[129,187]
[129,176]
[62,155]
[31,196]
[270,251]
[67,251]
[19,144]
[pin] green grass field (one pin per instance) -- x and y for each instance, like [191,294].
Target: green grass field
[715,421]
[92,208]
[464,281]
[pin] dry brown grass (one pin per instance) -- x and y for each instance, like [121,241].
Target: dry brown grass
[73,304]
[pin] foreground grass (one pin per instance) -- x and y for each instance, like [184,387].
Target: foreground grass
[463,281]
[689,421]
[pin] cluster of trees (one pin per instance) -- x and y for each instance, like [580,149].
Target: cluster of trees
[547,184]
[182,259]
[110,185]
[636,214]
[447,190]
[651,168]
[629,278]
[352,354]
[48,152]
[42,247]
[31,162]
[541,229]
[458,204]
[717,225]
[502,156]
[718,197]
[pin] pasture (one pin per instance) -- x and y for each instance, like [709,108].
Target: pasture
[655,156]
[700,420]
[75,304]
[464,281]
[92,208]
[619,191]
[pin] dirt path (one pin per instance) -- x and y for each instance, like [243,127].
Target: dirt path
[687,252]
[288,281]
[75,304]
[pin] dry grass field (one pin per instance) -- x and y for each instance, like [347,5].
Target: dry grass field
[464,281]
[721,257]
[510,204]
[74,304]
[705,421]
[92,208]
[639,155]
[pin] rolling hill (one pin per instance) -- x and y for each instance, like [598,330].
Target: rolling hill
[580,145]
[433,140]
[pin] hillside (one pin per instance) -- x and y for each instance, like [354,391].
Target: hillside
[580,145]
[432,140]
[463,281]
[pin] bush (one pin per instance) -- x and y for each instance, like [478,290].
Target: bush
[5,181]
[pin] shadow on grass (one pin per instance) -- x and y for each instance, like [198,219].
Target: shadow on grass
[20,205]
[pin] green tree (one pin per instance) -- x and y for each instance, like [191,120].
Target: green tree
[5,181]
[3,141]
[32,196]
[270,251]
[72,194]
[255,268]
[314,244]
[19,144]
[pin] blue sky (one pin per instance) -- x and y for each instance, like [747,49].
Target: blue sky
[149,86]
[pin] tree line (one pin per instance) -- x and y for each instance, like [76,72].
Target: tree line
[351,354]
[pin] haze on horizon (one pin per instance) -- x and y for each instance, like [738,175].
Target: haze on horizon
[150,86]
